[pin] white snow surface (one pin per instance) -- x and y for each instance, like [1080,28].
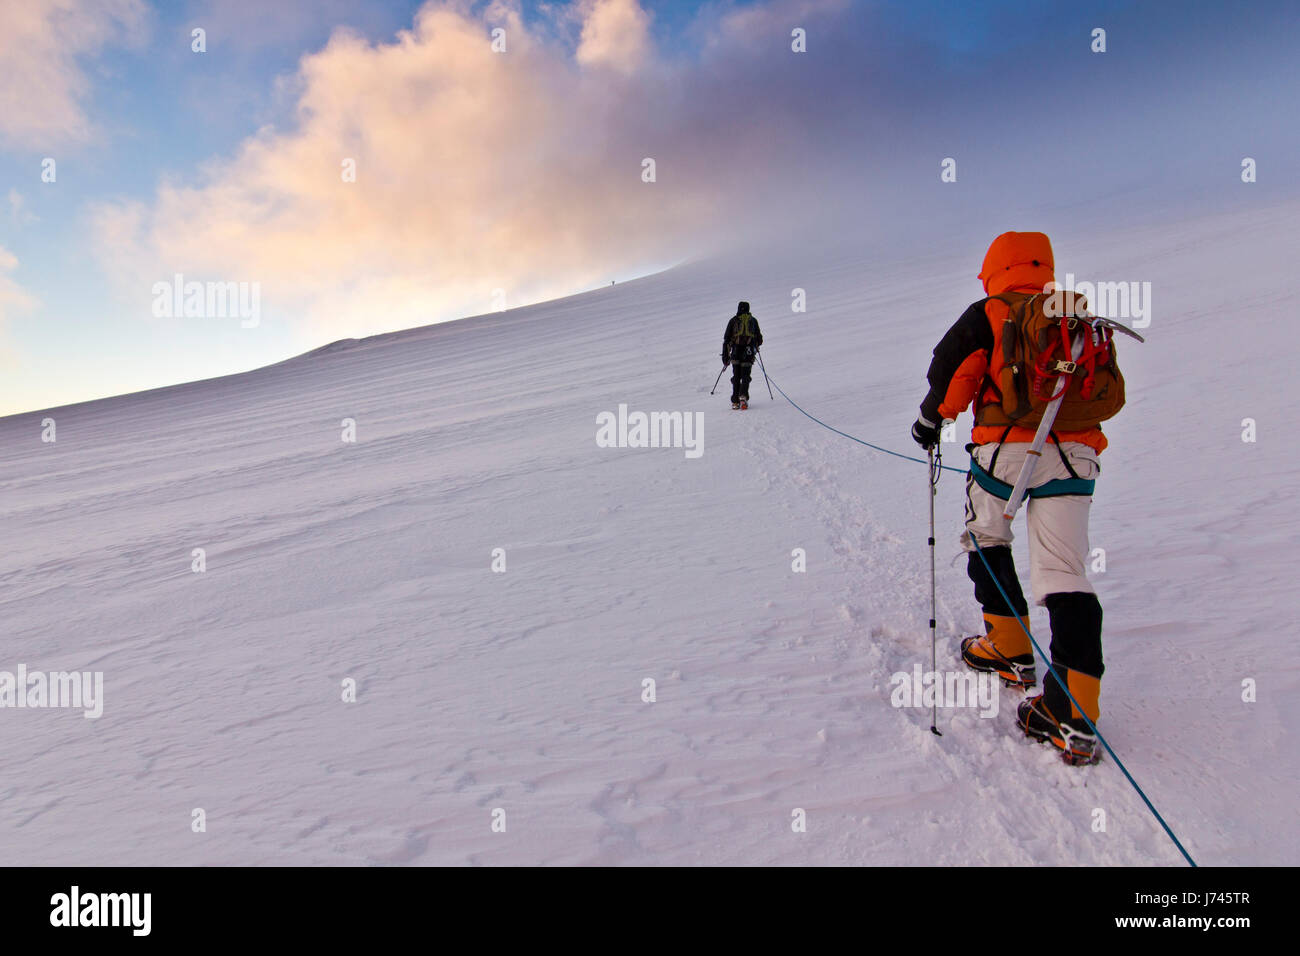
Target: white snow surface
[523,690]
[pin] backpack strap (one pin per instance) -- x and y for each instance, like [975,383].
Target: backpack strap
[993,462]
[1009,311]
[1064,460]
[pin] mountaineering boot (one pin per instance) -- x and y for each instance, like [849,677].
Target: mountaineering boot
[744,403]
[1072,736]
[1004,650]
[735,405]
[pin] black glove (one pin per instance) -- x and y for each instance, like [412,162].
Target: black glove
[925,434]
[725,361]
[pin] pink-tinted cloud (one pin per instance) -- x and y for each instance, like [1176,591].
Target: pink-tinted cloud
[615,35]
[476,171]
[43,84]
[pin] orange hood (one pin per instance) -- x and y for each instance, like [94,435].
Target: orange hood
[1018,261]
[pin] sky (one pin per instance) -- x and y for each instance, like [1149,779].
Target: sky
[485,178]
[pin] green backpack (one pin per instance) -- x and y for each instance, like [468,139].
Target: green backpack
[742,336]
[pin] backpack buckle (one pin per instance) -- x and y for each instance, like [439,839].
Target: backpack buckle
[1065,368]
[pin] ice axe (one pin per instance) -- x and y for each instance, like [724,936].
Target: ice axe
[1093,323]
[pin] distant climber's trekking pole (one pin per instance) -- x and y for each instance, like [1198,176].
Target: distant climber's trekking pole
[717,380]
[759,353]
[932,482]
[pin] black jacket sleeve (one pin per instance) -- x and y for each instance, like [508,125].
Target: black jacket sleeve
[726,337]
[758,333]
[969,334]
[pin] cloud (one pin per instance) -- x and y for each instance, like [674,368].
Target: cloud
[9,291]
[615,35]
[43,84]
[12,298]
[19,214]
[755,25]
[476,171]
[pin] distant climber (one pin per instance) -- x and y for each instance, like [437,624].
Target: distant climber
[740,343]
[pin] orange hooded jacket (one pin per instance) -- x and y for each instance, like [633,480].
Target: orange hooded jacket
[968,359]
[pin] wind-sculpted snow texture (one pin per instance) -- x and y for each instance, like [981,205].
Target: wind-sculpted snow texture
[476,690]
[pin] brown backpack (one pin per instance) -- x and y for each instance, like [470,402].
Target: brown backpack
[1035,350]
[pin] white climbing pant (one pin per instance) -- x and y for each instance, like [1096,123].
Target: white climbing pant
[1058,525]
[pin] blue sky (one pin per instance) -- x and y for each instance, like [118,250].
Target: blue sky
[505,179]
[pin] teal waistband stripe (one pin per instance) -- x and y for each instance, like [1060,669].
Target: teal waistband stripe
[1051,489]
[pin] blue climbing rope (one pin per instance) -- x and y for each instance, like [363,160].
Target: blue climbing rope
[859,440]
[1065,687]
[1011,607]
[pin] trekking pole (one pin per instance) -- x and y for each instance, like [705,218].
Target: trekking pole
[932,480]
[717,380]
[759,353]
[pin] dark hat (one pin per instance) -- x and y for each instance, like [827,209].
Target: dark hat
[742,308]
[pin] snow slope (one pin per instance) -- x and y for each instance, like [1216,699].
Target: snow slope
[522,690]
